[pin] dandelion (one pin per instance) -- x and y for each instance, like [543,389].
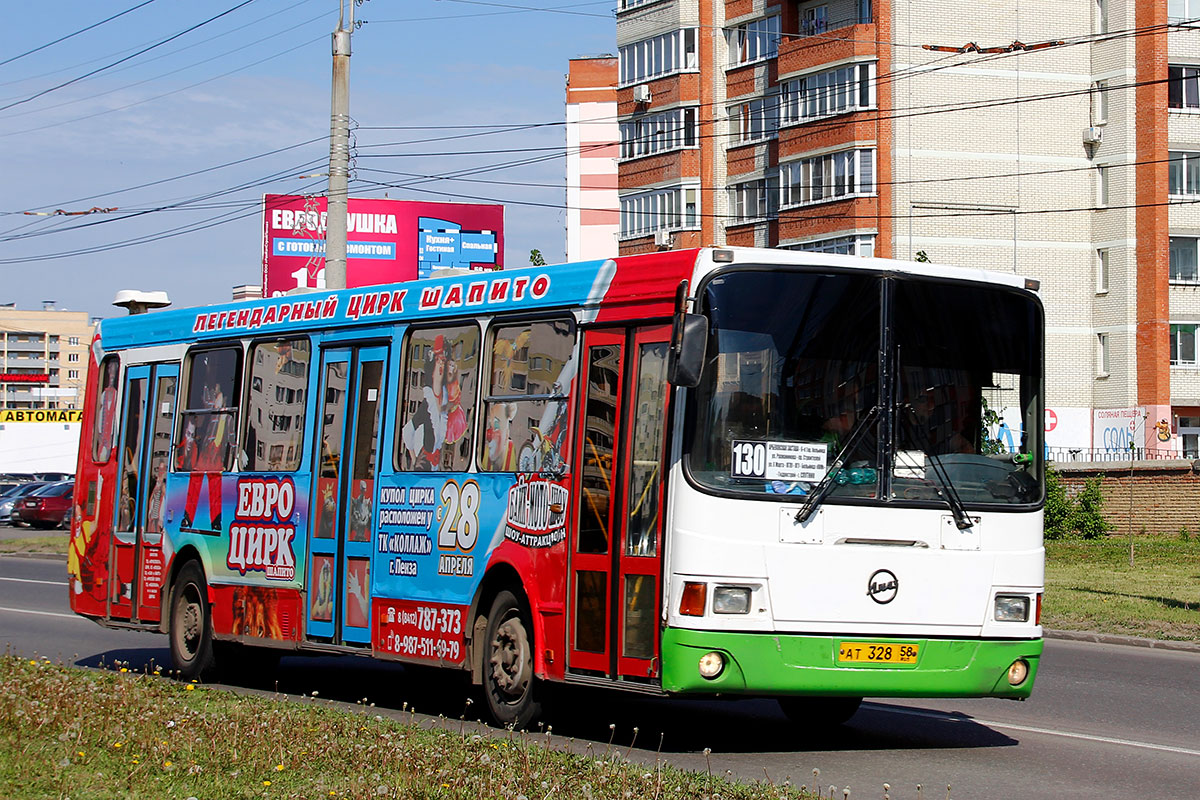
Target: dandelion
[189,687]
[80,754]
[279,767]
[167,764]
[266,783]
[124,669]
[117,744]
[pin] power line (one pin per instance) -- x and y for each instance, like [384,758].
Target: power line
[98,70]
[75,33]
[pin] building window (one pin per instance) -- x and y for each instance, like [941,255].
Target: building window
[628,4]
[1102,271]
[1183,174]
[753,200]
[814,20]
[1101,16]
[1100,102]
[72,358]
[657,133]
[664,209]
[1183,345]
[1183,260]
[753,41]
[72,374]
[658,55]
[864,12]
[838,91]
[1102,186]
[73,340]
[861,245]
[1183,10]
[1183,87]
[1102,355]
[828,177]
[754,120]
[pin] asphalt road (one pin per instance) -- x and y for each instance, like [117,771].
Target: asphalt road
[1104,721]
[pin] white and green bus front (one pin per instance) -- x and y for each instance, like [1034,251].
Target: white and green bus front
[857,483]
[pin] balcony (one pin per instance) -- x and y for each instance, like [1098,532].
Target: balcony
[813,45]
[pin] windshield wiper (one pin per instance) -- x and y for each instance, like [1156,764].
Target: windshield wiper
[944,487]
[827,481]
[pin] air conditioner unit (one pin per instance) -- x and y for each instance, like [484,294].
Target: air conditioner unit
[641,93]
[1093,135]
[663,238]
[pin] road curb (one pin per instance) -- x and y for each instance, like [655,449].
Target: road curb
[1128,641]
[45,556]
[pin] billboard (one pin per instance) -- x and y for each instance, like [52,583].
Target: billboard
[386,240]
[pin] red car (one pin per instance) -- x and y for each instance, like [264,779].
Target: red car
[48,507]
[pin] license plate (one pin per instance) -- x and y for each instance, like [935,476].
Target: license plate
[877,653]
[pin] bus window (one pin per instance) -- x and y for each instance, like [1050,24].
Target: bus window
[275,414]
[525,412]
[106,410]
[207,430]
[439,399]
[135,406]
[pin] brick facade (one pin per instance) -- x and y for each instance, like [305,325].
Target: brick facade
[1166,494]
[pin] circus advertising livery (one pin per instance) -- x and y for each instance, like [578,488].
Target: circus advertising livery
[637,472]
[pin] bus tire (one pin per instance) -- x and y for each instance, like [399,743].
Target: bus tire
[509,685]
[821,710]
[190,631]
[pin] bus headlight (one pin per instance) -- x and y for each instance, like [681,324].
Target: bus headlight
[712,664]
[1012,608]
[731,600]
[1018,672]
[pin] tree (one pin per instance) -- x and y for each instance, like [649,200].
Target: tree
[536,259]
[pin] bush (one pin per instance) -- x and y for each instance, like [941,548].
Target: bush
[1079,517]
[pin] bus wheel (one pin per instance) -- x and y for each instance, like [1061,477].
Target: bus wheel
[191,623]
[822,710]
[509,682]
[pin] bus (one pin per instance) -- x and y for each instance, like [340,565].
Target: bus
[732,471]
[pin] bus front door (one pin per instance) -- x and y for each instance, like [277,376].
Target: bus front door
[144,458]
[616,544]
[339,537]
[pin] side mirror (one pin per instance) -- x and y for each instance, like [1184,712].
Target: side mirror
[689,342]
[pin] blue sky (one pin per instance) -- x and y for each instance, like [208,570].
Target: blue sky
[437,87]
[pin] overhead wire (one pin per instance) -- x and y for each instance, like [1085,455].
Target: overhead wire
[73,34]
[98,70]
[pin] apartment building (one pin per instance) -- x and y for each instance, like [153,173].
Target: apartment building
[43,357]
[1060,144]
[591,158]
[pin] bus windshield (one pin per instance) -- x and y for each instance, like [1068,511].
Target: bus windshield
[902,389]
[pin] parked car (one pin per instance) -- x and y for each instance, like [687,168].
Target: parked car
[9,498]
[48,507]
[54,476]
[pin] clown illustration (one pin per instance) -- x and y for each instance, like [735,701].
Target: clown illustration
[499,454]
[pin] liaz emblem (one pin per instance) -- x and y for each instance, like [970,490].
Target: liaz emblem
[883,586]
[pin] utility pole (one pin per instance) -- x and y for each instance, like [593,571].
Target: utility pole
[339,153]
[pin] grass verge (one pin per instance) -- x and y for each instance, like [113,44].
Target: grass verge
[103,734]
[41,543]
[1091,586]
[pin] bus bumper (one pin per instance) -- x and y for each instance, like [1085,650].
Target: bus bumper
[792,664]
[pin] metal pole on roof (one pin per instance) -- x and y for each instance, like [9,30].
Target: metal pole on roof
[339,153]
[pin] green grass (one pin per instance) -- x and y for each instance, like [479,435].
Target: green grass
[1091,587]
[41,543]
[67,732]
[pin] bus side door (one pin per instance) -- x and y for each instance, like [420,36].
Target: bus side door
[143,458]
[616,544]
[340,539]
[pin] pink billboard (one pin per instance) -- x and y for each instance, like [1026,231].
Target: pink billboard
[386,240]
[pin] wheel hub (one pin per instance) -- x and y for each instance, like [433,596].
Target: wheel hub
[511,668]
